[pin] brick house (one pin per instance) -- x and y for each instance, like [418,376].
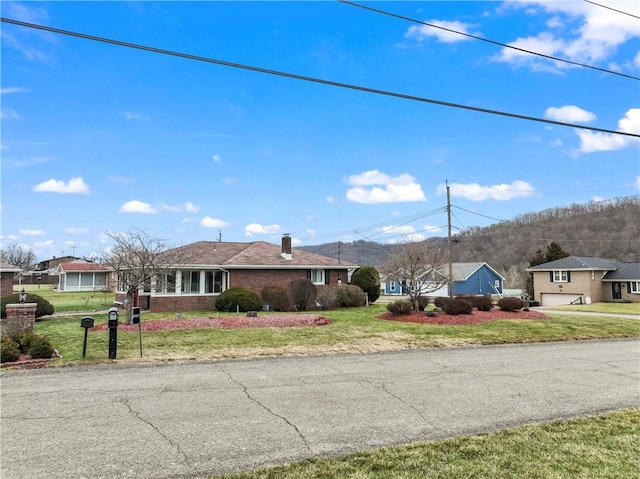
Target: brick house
[207,268]
[580,279]
[7,274]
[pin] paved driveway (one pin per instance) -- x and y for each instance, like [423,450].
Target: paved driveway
[193,419]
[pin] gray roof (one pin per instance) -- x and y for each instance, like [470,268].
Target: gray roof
[573,263]
[625,272]
[9,268]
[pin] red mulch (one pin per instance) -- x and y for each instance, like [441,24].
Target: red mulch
[473,318]
[265,321]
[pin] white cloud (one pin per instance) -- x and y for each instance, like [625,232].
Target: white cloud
[399,189]
[593,141]
[397,229]
[28,232]
[209,222]
[229,180]
[330,199]
[638,182]
[136,206]
[420,32]
[135,116]
[9,114]
[501,192]
[76,231]
[15,89]
[255,228]
[578,31]
[74,186]
[569,114]
[187,207]
[215,158]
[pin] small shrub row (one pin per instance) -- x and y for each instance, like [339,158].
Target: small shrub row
[481,303]
[35,345]
[238,298]
[276,297]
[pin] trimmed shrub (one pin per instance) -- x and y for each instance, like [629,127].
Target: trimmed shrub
[302,293]
[327,298]
[350,296]
[400,307]
[43,307]
[510,304]
[483,303]
[440,301]
[276,297]
[368,279]
[238,298]
[9,350]
[40,347]
[423,302]
[458,306]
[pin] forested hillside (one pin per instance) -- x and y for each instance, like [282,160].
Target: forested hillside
[608,229]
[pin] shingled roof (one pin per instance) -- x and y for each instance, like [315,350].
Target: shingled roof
[575,263]
[254,255]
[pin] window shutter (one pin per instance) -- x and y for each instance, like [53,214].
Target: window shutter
[551,276]
[309,274]
[326,276]
[568,276]
[629,287]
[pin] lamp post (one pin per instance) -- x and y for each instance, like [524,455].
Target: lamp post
[22,295]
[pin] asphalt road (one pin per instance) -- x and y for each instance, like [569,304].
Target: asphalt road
[193,419]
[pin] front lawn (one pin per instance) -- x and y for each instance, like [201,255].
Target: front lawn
[603,447]
[351,330]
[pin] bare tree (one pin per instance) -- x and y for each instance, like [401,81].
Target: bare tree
[136,259]
[20,256]
[418,267]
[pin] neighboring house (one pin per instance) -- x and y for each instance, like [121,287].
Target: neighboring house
[50,265]
[7,273]
[585,279]
[468,279]
[83,276]
[207,268]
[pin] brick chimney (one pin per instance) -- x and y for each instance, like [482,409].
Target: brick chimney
[286,246]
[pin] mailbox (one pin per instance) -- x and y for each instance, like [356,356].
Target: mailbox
[135,315]
[113,317]
[87,322]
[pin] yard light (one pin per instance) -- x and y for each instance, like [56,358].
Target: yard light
[22,295]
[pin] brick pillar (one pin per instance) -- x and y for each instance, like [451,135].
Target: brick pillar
[20,317]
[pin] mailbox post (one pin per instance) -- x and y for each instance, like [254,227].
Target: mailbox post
[86,323]
[113,333]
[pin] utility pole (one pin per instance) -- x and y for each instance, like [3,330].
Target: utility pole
[450,282]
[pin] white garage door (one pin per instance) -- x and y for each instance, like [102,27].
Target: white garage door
[557,299]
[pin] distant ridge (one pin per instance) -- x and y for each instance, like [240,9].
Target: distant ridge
[609,229]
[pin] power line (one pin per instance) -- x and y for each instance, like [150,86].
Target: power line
[475,37]
[610,8]
[311,79]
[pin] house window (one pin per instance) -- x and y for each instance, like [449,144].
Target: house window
[213,282]
[317,276]
[392,286]
[560,276]
[496,284]
[190,282]
[634,287]
[166,283]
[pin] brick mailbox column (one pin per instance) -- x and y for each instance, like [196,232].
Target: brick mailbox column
[20,317]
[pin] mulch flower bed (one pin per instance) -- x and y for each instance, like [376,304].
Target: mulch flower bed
[265,321]
[474,318]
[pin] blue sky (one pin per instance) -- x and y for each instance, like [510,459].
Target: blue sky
[101,138]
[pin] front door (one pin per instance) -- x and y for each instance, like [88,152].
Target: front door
[616,292]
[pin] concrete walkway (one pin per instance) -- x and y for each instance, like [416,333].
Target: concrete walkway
[194,419]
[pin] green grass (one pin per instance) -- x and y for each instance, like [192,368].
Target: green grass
[613,308]
[351,330]
[69,302]
[604,446]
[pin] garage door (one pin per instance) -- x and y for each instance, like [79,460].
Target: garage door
[557,299]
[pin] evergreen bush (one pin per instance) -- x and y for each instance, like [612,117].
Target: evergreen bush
[368,279]
[9,350]
[238,298]
[43,307]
